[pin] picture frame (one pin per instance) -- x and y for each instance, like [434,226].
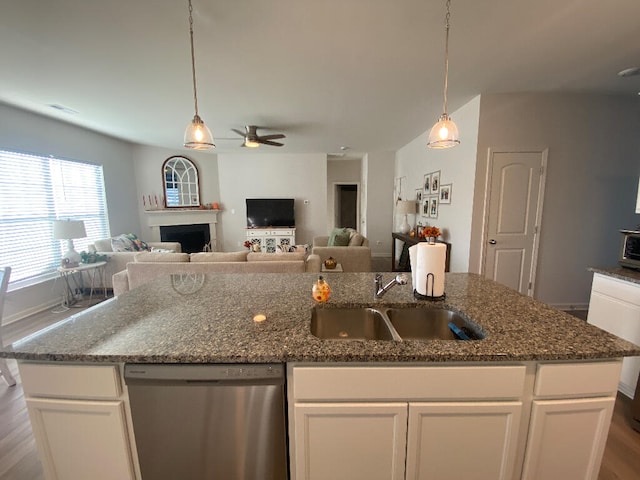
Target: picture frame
[433,206]
[425,206]
[426,184]
[435,183]
[445,194]
[419,195]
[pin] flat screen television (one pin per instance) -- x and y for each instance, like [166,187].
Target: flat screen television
[270,212]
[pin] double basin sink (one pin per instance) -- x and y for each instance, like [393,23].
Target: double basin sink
[392,324]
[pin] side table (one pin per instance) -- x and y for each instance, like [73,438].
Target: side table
[95,271]
[338,268]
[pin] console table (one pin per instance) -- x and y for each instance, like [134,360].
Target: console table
[270,239]
[404,265]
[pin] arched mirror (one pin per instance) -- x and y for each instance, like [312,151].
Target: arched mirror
[181,183]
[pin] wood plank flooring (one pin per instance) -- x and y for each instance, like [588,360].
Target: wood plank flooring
[19,459]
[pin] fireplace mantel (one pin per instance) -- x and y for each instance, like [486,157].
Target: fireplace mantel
[171,216]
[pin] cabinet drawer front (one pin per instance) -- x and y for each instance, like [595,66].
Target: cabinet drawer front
[282,233]
[613,287]
[255,233]
[586,379]
[409,383]
[70,381]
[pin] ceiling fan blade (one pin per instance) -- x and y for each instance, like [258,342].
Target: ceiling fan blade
[273,136]
[269,142]
[242,134]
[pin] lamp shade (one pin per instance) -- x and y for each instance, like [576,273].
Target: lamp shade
[68,229]
[406,207]
[198,136]
[444,133]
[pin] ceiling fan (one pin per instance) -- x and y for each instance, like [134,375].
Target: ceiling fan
[253,140]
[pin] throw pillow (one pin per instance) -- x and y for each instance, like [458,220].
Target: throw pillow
[339,237]
[128,242]
[219,256]
[162,250]
[356,240]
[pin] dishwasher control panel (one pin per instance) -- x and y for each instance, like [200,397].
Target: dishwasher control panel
[246,372]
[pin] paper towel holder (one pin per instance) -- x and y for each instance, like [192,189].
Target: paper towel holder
[431,297]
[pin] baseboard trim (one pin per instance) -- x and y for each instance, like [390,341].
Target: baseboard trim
[570,306]
[16,317]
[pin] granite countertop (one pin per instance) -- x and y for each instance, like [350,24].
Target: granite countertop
[209,319]
[621,273]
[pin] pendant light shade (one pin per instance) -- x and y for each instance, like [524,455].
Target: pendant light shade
[444,133]
[197,135]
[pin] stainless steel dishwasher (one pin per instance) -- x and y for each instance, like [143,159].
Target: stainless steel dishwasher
[194,422]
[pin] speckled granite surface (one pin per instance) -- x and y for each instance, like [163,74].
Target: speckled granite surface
[627,274]
[214,324]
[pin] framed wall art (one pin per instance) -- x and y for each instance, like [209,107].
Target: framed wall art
[445,194]
[435,183]
[425,206]
[433,206]
[426,184]
[419,195]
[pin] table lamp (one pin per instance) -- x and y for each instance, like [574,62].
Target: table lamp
[68,230]
[406,207]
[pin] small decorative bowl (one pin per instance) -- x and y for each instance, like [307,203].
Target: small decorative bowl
[330,263]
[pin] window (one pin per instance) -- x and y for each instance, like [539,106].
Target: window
[35,191]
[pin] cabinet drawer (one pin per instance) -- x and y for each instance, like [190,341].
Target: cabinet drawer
[70,381]
[256,233]
[408,383]
[282,233]
[613,287]
[588,379]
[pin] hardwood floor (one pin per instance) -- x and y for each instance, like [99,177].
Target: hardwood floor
[19,459]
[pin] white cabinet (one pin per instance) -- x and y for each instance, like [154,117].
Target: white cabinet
[567,438]
[410,437]
[80,421]
[270,239]
[452,441]
[615,307]
[347,441]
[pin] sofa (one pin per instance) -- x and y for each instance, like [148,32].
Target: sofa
[354,257]
[117,261]
[149,265]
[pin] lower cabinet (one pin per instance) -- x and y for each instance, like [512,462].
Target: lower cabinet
[567,438]
[81,439]
[79,418]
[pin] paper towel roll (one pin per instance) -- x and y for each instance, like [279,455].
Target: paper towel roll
[431,258]
[413,260]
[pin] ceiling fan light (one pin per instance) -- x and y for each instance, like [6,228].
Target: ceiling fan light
[198,136]
[248,142]
[444,133]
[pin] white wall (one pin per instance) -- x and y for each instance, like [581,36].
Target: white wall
[591,186]
[340,172]
[148,163]
[457,166]
[31,133]
[299,176]
[377,201]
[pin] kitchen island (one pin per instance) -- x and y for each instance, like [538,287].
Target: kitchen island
[533,399]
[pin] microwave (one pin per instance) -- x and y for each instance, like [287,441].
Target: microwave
[630,249]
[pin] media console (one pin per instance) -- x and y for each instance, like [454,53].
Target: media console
[270,239]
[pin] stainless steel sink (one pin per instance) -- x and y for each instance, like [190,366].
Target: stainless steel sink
[366,323]
[350,324]
[430,324]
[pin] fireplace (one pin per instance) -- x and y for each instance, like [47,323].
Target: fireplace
[193,238]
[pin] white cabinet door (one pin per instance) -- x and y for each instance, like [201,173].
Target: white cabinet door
[567,438]
[621,318]
[470,441]
[81,439]
[350,441]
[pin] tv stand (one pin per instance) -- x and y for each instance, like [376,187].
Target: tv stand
[270,238]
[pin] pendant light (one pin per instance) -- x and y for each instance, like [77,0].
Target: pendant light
[197,135]
[444,133]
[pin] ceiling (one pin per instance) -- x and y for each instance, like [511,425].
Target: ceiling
[364,74]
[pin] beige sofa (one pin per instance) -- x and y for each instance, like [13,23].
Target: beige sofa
[147,266]
[356,257]
[117,261]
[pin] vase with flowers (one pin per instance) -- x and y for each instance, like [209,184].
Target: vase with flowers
[431,233]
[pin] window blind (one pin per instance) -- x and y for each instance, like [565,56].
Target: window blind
[35,191]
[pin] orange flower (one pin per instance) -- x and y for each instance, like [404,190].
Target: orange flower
[431,232]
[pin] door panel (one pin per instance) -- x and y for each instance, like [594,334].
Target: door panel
[514,199]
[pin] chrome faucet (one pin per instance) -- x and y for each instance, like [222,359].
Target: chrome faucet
[400,279]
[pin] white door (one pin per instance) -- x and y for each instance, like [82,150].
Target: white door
[567,438]
[350,441]
[515,189]
[470,440]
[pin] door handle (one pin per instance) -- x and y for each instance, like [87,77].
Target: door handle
[492,242]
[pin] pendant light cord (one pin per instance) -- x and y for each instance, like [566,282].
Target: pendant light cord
[446,56]
[193,59]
